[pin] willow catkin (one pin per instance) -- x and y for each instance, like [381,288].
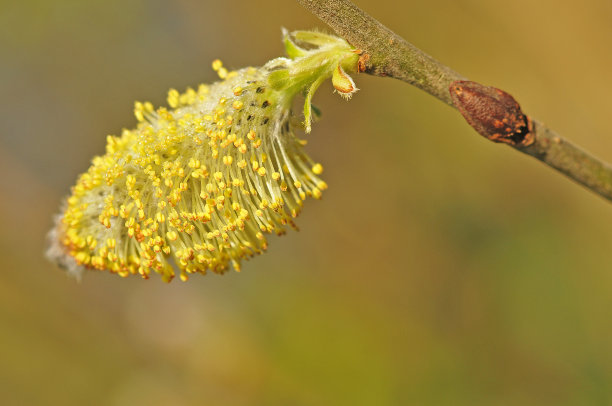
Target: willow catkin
[198,185]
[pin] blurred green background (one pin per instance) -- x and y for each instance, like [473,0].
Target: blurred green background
[439,268]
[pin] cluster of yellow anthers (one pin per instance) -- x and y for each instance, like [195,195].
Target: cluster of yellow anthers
[198,186]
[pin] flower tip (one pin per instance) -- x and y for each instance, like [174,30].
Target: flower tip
[56,253]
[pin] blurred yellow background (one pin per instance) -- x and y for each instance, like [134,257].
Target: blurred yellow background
[439,268]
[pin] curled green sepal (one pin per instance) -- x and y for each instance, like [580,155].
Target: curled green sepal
[313,58]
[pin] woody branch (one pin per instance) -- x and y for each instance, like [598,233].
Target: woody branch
[388,54]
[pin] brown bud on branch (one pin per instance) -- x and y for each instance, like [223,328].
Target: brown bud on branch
[493,113]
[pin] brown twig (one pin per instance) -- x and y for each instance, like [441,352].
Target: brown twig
[390,55]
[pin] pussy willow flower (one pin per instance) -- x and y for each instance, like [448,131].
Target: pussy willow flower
[198,185]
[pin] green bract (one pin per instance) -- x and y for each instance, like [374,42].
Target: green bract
[315,57]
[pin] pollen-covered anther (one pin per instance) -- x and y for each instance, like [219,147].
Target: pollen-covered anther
[173,98]
[217,64]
